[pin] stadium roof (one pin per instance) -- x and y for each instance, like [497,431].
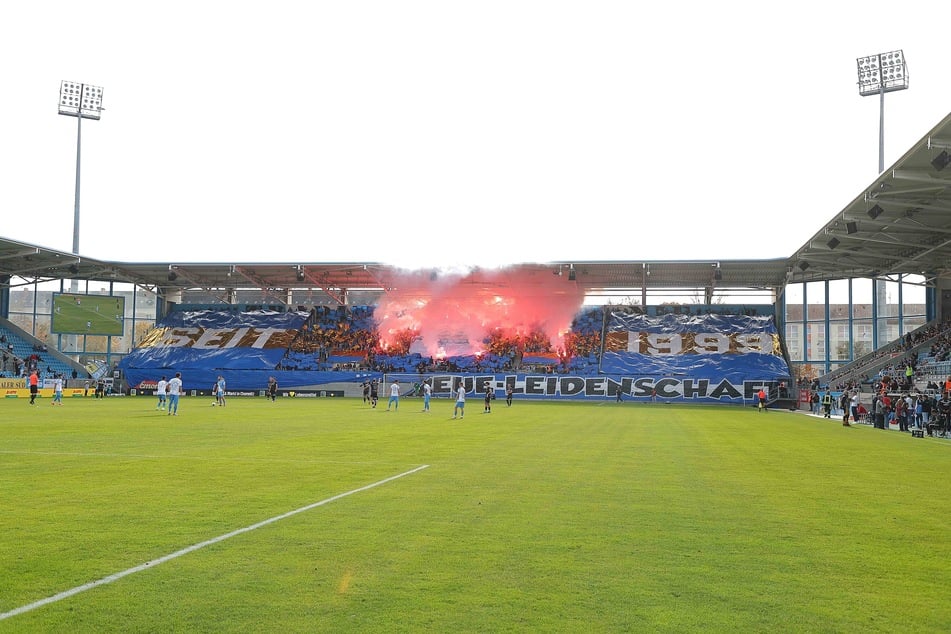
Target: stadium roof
[901,223]
[33,263]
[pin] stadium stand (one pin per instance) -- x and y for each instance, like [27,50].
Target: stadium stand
[713,356]
[22,353]
[924,350]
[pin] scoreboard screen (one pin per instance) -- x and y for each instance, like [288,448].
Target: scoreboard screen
[87,314]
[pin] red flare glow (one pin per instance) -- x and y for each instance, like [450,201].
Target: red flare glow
[456,313]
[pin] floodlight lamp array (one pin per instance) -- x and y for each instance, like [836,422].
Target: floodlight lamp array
[885,72]
[80,100]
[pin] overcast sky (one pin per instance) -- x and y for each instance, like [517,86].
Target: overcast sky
[447,133]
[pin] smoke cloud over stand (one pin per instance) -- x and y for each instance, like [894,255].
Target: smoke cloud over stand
[452,312]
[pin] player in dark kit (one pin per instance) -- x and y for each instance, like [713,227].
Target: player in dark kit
[374,392]
[489,395]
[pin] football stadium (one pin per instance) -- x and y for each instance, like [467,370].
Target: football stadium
[747,445]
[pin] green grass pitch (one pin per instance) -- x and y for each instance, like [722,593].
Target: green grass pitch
[542,517]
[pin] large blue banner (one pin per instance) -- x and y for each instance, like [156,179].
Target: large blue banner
[706,358]
[711,347]
[203,344]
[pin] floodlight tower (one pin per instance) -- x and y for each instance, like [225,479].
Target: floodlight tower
[878,74]
[82,101]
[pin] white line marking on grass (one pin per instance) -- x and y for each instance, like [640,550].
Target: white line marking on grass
[184,551]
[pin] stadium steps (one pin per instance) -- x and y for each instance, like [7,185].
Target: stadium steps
[23,346]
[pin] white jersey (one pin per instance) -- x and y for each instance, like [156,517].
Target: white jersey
[395,389]
[175,386]
[461,395]
[160,389]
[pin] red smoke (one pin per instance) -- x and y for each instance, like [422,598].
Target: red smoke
[453,313]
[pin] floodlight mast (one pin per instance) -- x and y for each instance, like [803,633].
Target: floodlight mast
[82,101]
[878,74]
